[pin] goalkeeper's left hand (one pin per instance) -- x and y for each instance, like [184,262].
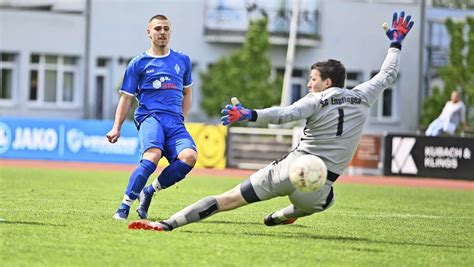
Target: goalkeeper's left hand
[400,28]
[236,112]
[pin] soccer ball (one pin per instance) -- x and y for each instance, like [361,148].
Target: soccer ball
[308,173]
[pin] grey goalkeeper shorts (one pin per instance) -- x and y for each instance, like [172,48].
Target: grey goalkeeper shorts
[272,181]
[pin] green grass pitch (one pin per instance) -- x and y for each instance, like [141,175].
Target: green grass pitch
[64,218]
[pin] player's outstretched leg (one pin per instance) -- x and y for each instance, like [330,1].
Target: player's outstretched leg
[136,183]
[198,211]
[172,174]
[193,213]
[287,215]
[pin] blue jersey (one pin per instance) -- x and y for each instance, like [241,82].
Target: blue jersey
[158,83]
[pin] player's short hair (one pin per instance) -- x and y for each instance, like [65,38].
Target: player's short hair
[333,70]
[158,17]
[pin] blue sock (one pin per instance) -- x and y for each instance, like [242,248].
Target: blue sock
[124,206]
[172,174]
[138,178]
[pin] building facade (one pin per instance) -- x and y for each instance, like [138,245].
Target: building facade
[437,42]
[67,61]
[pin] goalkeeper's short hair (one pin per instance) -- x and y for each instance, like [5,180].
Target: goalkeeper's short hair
[332,69]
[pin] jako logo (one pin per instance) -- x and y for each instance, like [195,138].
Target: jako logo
[402,161]
[35,139]
[5,137]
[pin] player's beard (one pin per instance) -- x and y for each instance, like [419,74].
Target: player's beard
[161,43]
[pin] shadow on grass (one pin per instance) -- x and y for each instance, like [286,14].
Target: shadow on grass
[32,223]
[248,223]
[156,219]
[230,222]
[299,236]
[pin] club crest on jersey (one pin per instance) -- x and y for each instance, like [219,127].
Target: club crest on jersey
[323,102]
[176,68]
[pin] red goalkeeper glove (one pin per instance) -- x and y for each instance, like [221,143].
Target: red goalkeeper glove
[400,28]
[236,112]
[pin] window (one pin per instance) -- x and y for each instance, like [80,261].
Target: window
[102,84]
[68,87]
[33,85]
[438,44]
[6,77]
[353,79]
[7,72]
[101,62]
[53,79]
[50,84]
[123,61]
[384,107]
[298,87]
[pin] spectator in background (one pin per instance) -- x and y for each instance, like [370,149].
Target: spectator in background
[454,112]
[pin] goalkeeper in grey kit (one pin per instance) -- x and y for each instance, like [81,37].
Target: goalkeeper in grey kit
[335,117]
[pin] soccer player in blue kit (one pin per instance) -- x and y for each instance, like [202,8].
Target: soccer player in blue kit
[160,79]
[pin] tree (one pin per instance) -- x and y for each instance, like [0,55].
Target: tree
[458,74]
[245,73]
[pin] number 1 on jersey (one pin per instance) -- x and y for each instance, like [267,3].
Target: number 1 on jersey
[340,122]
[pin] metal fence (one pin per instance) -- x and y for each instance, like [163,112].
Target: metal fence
[254,148]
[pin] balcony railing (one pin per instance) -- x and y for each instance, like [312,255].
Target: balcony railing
[227,21]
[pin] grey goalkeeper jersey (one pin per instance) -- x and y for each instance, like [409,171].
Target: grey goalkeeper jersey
[335,117]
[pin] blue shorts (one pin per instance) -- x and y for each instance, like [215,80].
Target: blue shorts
[165,132]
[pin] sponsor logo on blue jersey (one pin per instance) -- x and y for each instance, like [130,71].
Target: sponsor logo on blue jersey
[164,82]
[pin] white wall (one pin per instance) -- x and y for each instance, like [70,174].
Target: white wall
[26,32]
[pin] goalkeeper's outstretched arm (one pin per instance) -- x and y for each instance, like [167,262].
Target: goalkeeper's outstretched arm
[301,109]
[388,73]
